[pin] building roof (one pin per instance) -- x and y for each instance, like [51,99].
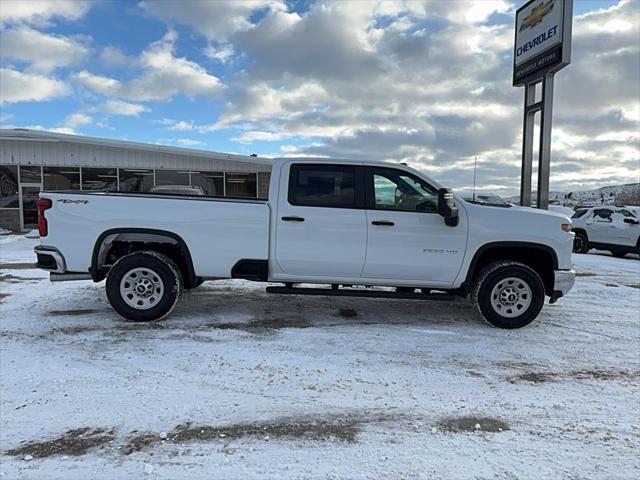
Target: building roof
[93,151]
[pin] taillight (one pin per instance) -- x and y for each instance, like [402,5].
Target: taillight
[43,204]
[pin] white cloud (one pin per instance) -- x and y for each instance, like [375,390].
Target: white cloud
[214,19]
[163,76]
[98,83]
[76,119]
[114,57]
[25,87]
[42,51]
[221,53]
[189,142]
[39,12]
[118,107]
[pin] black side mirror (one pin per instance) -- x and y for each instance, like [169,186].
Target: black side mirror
[446,207]
[631,220]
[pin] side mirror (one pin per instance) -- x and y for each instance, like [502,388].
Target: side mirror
[631,220]
[446,207]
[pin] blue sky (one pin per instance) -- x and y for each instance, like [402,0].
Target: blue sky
[424,82]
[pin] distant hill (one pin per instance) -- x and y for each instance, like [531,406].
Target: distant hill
[599,196]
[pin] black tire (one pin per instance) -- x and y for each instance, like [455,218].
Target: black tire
[165,278]
[512,280]
[580,243]
[199,281]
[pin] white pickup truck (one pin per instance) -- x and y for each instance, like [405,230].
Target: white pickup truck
[342,225]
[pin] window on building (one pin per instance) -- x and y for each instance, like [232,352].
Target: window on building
[61,178]
[9,197]
[241,185]
[172,177]
[135,180]
[30,175]
[99,179]
[263,184]
[330,186]
[212,183]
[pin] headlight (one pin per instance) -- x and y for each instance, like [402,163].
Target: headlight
[566,227]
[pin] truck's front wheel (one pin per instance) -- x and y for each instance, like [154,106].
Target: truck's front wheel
[144,286]
[508,294]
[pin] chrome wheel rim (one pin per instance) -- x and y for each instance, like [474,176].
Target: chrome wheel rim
[511,297]
[141,288]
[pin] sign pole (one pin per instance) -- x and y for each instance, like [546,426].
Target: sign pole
[542,47]
[544,164]
[527,145]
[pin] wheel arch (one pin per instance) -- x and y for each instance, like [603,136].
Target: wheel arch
[103,243]
[539,257]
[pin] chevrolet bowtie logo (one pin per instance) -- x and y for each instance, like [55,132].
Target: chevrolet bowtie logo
[536,16]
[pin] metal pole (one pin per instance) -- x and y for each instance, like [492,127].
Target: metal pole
[527,145]
[545,142]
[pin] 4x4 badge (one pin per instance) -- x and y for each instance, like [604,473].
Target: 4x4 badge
[68,200]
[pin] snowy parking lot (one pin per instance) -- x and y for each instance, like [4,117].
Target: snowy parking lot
[240,384]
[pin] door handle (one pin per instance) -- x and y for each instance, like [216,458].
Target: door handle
[383,223]
[293,219]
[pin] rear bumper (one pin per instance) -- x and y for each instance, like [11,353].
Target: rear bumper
[50,259]
[563,283]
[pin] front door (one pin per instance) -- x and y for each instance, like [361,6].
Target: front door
[321,225]
[407,239]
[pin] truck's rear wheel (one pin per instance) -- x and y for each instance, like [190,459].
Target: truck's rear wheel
[144,286]
[508,294]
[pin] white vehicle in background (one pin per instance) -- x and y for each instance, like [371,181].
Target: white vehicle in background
[616,229]
[345,225]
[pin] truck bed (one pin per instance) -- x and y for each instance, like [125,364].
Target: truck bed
[217,231]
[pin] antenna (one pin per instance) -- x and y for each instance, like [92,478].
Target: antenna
[475,169]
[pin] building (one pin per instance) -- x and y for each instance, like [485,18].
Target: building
[32,160]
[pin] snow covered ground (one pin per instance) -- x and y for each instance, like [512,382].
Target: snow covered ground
[239,384]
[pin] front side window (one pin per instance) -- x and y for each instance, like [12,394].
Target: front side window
[398,190]
[330,186]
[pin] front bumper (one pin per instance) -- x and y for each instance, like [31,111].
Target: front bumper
[562,283]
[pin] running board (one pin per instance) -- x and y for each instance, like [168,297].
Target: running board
[352,292]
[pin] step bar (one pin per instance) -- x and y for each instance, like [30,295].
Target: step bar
[352,292]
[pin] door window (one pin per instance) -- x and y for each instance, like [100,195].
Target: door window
[398,190]
[331,186]
[602,214]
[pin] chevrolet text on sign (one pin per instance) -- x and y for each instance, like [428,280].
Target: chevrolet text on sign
[543,34]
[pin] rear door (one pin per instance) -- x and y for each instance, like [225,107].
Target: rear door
[407,238]
[321,228]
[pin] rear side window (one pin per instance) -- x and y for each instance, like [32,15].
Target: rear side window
[331,186]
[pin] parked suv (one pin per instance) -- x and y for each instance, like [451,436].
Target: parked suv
[616,229]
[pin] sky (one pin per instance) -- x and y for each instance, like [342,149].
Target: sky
[425,82]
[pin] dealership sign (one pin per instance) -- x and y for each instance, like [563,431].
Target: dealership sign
[543,39]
